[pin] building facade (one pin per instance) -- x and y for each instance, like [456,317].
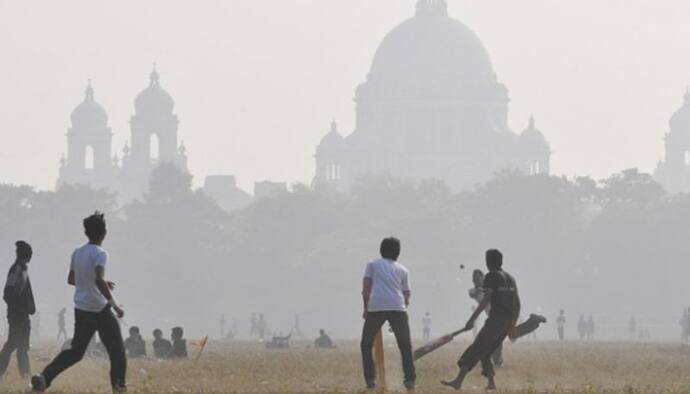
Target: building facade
[431,107]
[154,139]
[674,171]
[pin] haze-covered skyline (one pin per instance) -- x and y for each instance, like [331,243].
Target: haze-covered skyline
[255,90]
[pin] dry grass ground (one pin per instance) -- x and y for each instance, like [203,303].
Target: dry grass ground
[248,367]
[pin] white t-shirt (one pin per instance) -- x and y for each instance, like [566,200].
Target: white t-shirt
[85,259]
[389,279]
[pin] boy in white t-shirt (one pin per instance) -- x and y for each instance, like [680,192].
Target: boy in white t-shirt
[93,310]
[386,295]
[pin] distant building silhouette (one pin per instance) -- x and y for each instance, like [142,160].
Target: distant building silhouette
[431,107]
[674,171]
[154,140]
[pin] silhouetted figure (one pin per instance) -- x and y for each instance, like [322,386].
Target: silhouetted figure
[135,344]
[261,326]
[253,326]
[501,294]
[632,327]
[386,296]
[426,326]
[18,296]
[93,310]
[560,323]
[582,328]
[179,344]
[162,348]
[685,325]
[222,326]
[62,332]
[297,329]
[523,329]
[590,328]
[323,341]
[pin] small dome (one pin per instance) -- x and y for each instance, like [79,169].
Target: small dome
[531,139]
[154,98]
[332,142]
[89,113]
[680,121]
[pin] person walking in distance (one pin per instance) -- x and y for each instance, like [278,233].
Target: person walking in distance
[386,296]
[560,322]
[62,332]
[426,326]
[93,310]
[19,297]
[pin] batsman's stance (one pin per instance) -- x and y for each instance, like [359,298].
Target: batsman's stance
[386,295]
[502,294]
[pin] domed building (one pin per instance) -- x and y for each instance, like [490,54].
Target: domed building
[154,139]
[89,146]
[674,171]
[431,107]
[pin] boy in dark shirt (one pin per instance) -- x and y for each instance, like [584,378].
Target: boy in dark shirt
[162,348]
[500,292]
[20,304]
[135,345]
[179,345]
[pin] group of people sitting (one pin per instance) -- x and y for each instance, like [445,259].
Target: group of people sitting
[162,348]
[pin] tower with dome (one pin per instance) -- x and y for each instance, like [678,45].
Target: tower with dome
[431,107]
[154,139]
[674,171]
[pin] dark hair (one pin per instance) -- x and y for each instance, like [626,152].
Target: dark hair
[157,332]
[390,248]
[177,332]
[133,330]
[23,249]
[94,226]
[494,259]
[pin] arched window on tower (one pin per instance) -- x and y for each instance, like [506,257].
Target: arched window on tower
[155,149]
[89,158]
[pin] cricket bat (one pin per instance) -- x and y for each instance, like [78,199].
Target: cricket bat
[435,344]
[380,360]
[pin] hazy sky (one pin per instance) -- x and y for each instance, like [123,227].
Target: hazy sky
[256,83]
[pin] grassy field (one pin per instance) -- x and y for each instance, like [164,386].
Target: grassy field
[248,367]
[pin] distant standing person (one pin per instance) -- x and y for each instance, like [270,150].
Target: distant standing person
[632,327]
[426,326]
[19,297]
[560,322]
[261,326]
[386,296]
[93,310]
[582,328]
[62,332]
[684,325]
[590,328]
[501,294]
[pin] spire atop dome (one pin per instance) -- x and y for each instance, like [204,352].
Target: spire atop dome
[432,8]
[334,126]
[155,77]
[89,91]
[532,123]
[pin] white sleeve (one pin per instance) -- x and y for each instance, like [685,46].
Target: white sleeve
[101,259]
[406,281]
[369,271]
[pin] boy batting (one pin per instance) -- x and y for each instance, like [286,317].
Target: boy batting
[500,292]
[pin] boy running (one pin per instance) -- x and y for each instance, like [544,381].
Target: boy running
[93,311]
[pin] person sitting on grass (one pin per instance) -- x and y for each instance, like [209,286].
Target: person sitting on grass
[179,344]
[162,348]
[135,345]
[323,341]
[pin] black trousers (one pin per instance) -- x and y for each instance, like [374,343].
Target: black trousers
[85,325]
[489,339]
[18,339]
[401,328]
